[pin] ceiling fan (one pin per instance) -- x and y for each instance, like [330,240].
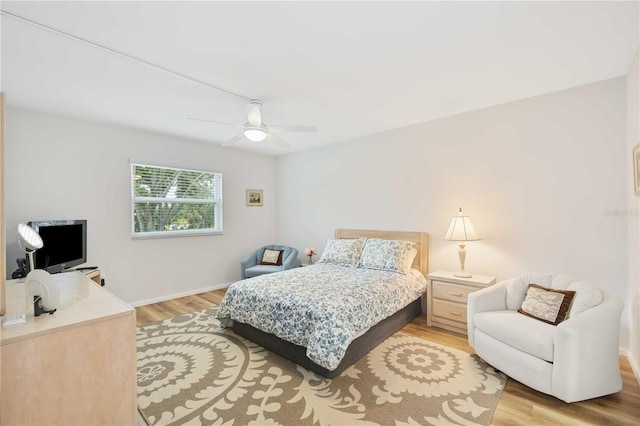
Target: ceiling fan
[255,130]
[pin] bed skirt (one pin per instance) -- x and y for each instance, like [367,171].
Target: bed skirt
[356,350]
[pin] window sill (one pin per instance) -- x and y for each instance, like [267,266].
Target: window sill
[174,234]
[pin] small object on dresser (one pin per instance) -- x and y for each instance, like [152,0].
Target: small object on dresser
[310,252]
[87,268]
[21,272]
[44,290]
[14,319]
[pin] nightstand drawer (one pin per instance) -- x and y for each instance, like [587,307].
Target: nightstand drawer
[453,292]
[447,298]
[450,310]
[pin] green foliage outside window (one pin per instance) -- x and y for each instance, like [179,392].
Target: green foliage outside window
[175,201]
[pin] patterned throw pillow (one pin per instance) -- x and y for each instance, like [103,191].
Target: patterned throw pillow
[546,304]
[388,255]
[271,257]
[343,252]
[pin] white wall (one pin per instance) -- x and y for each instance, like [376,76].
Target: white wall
[541,179]
[632,213]
[59,168]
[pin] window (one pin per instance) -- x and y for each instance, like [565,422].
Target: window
[169,202]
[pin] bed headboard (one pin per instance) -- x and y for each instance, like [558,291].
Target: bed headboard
[421,240]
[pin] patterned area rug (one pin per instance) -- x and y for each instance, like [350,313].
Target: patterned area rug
[192,371]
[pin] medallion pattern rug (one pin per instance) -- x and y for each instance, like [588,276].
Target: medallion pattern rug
[192,371]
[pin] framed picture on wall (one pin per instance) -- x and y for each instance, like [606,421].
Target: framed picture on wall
[254,197]
[636,168]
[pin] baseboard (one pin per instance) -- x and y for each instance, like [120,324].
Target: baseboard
[177,295]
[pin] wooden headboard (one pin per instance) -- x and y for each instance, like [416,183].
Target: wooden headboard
[421,240]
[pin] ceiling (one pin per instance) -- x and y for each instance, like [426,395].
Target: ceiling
[348,68]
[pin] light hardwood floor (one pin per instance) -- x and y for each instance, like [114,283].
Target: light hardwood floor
[518,404]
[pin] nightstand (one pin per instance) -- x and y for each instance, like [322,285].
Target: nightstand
[447,299]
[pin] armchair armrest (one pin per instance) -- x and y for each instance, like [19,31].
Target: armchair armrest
[586,356]
[247,262]
[492,298]
[292,260]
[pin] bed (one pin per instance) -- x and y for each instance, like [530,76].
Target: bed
[326,316]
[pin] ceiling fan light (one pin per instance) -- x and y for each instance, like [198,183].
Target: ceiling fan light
[255,135]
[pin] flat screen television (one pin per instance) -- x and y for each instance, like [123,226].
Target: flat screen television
[65,244]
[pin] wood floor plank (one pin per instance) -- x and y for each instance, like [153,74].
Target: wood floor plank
[519,405]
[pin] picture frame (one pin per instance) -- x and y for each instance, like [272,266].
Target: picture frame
[254,197]
[636,168]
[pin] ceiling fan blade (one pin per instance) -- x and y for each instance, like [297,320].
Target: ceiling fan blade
[216,122]
[234,140]
[284,129]
[276,140]
[253,113]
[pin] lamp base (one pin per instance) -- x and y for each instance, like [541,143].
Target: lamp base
[462,274]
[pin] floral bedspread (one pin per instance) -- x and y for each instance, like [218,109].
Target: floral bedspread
[320,307]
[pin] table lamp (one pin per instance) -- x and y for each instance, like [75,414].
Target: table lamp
[29,241]
[461,229]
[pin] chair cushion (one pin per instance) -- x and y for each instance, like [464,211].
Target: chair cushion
[518,331]
[254,271]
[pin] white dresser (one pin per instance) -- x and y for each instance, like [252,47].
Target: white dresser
[75,367]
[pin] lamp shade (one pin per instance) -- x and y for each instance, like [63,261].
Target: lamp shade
[461,229]
[28,238]
[29,241]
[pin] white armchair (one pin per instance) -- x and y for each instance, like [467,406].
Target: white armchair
[573,361]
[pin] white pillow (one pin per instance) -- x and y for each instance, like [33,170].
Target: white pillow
[411,254]
[388,255]
[343,252]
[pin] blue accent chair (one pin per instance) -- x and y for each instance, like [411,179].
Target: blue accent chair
[250,265]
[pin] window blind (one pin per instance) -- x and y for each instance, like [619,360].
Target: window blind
[171,202]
